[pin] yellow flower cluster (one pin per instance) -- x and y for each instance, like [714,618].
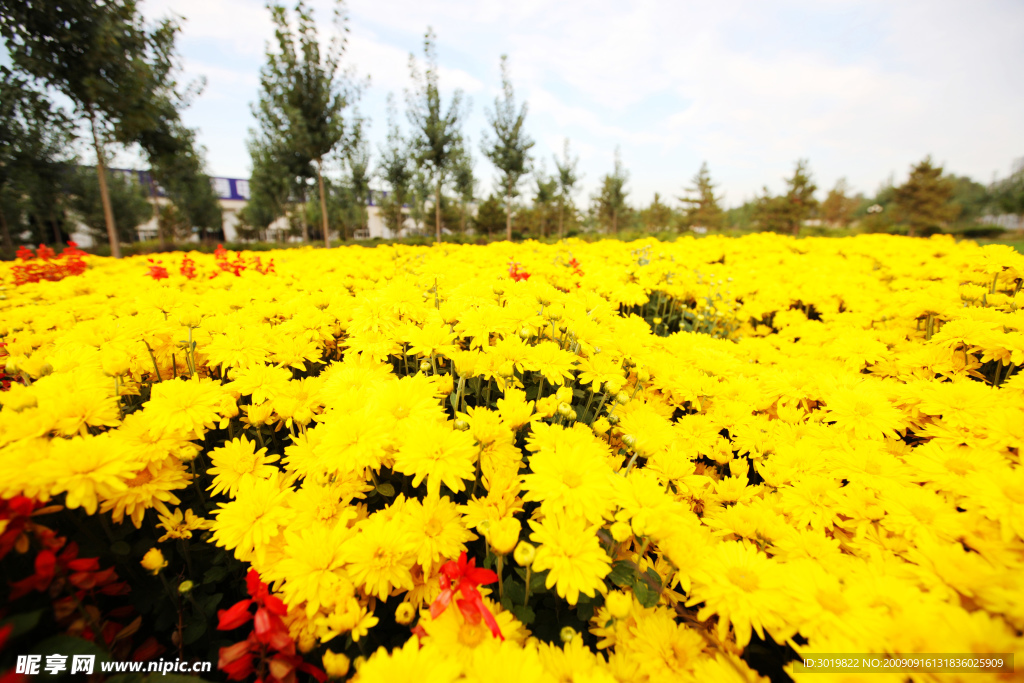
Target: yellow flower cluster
[815,441]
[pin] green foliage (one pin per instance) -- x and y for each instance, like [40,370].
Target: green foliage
[702,207]
[786,213]
[610,207]
[119,74]
[567,176]
[1008,194]
[436,132]
[127,199]
[490,216]
[395,168]
[509,151]
[924,201]
[658,216]
[838,208]
[35,149]
[303,96]
[270,186]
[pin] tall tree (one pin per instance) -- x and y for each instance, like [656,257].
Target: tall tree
[610,202]
[923,201]
[396,171]
[463,183]
[270,187]
[436,134]
[787,212]
[702,205]
[177,164]
[356,164]
[101,56]
[658,216]
[510,149]
[303,92]
[568,176]
[1008,194]
[35,149]
[545,198]
[838,208]
[125,196]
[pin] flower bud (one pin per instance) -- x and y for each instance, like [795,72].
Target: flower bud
[153,561]
[613,419]
[567,634]
[657,321]
[619,604]
[621,532]
[190,316]
[643,375]
[405,613]
[525,554]
[424,365]
[629,440]
[497,289]
[525,332]
[601,425]
[564,409]
[336,664]
[504,535]
[461,425]
[571,415]
[564,394]
[622,398]
[185,586]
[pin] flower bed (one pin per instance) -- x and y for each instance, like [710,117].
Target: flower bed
[695,460]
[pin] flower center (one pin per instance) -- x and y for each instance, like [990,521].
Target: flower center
[742,578]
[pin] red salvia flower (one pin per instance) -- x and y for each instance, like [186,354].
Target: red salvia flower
[463,577]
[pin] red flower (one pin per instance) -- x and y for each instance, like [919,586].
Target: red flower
[157,271]
[464,576]
[516,274]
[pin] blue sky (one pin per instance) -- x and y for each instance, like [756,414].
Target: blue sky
[861,89]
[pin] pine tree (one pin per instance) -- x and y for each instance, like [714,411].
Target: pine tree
[702,207]
[567,178]
[838,207]
[396,171]
[436,134]
[509,151]
[610,202]
[658,216]
[923,202]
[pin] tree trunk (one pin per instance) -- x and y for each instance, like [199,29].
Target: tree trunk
[8,243]
[56,231]
[101,172]
[323,200]
[508,217]
[437,208]
[161,235]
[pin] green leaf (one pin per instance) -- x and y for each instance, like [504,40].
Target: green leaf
[69,646]
[210,602]
[655,579]
[214,574]
[386,489]
[515,591]
[585,611]
[623,573]
[120,548]
[647,596]
[23,623]
[524,613]
[194,631]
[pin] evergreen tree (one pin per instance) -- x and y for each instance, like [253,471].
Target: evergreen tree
[510,148]
[838,208]
[463,184]
[610,203]
[490,215]
[567,177]
[304,95]
[395,169]
[702,207]
[787,212]
[356,162]
[658,216]
[436,135]
[35,150]
[923,202]
[270,188]
[972,198]
[118,73]
[1008,194]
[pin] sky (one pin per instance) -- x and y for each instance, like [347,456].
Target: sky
[861,89]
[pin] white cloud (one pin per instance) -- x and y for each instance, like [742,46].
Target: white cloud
[860,88]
